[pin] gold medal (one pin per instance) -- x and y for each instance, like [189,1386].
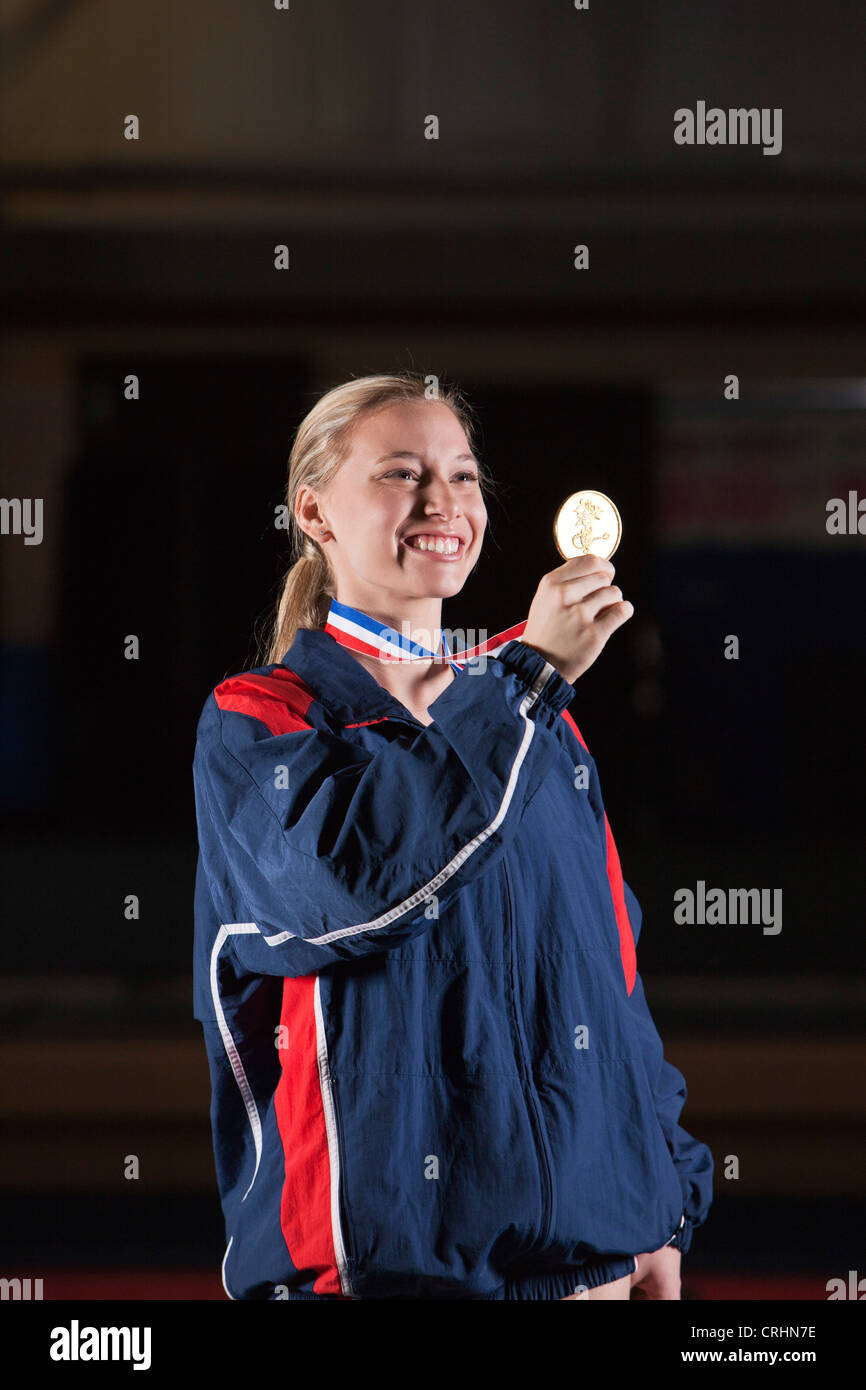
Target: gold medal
[587,523]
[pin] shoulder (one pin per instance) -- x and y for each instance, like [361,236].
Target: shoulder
[273,695]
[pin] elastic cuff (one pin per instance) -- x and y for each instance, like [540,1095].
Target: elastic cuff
[529,665]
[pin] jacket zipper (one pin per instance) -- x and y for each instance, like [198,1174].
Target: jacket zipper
[535,1108]
[343,1242]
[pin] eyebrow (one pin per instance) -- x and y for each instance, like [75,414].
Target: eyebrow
[407,454]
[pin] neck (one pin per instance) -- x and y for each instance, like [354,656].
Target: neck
[419,620]
[417,682]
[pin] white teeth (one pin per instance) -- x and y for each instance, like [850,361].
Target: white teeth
[441,544]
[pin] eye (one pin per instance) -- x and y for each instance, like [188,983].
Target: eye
[396,472]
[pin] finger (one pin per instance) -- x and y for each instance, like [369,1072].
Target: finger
[609,619]
[579,590]
[597,599]
[580,566]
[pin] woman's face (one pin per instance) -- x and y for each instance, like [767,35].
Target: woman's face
[410,472]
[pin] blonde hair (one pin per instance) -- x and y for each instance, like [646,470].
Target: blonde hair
[321,447]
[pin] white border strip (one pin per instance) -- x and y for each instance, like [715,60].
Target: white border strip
[223,1272]
[237,1066]
[333,1143]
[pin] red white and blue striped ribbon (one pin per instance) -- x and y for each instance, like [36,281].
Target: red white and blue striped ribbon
[362,633]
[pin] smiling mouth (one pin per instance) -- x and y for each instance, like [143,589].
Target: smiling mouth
[434,553]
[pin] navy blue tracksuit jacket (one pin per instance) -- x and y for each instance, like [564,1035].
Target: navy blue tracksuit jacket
[434,1072]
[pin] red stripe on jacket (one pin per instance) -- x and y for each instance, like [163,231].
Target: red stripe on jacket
[305,1205]
[614,874]
[280,700]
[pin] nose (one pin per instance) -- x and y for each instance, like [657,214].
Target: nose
[439,501]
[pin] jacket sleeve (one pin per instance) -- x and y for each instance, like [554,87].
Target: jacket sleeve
[693,1160]
[316,850]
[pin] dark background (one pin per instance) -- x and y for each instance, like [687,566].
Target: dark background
[452,257]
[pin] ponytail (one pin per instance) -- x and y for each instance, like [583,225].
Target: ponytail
[304,601]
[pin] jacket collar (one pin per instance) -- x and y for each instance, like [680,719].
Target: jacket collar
[339,680]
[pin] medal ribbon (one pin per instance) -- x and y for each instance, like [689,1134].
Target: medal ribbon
[362,633]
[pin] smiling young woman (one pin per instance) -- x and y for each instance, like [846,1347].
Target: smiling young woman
[410,475]
[378,449]
[434,1071]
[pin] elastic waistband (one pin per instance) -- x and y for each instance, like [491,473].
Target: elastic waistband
[555,1283]
[550,1284]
